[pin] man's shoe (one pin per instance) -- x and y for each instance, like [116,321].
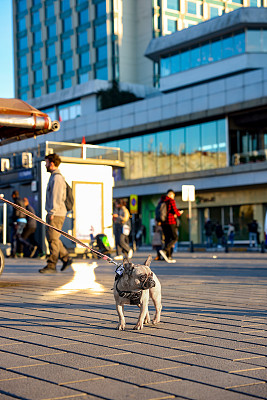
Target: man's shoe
[171,260]
[66,264]
[120,257]
[33,251]
[19,255]
[47,270]
[130,254]
[164,255]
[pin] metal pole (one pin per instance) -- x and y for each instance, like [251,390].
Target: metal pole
[189,219]
[4,222]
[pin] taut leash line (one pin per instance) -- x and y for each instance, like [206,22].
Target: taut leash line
[70,237]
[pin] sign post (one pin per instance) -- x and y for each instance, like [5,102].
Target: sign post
[188,194]
[133,211]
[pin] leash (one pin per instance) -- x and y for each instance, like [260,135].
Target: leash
[70,237]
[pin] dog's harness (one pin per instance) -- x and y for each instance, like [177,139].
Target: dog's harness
[133,296]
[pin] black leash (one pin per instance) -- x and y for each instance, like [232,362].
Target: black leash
[72,238]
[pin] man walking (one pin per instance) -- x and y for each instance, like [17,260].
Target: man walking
[19,222]
[169,226]
[56,213]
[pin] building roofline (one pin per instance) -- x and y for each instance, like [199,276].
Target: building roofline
[243,17]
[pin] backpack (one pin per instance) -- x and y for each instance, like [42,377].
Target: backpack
[69,202]
[161,212]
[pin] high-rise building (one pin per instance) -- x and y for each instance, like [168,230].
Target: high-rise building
[61,43]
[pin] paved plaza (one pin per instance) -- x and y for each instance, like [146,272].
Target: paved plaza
[58,337]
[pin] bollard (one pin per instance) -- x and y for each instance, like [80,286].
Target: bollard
[262,247]
[191,247]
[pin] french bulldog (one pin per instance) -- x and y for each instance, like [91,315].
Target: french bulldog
[134,284]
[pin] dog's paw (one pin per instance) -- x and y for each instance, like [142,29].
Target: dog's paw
[147,321]
[155,321]
[121,327]
[138,327]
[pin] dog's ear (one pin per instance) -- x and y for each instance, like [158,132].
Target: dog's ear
[148,261]
[128,266]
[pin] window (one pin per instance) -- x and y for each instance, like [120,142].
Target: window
[136,157]
[52,70]
[195,57]
[172,25]
[22,62]
[83,78]
[67,65]
[49,11]
[51,50]
[239,43]
[205,53]
[101,53]
[35,18]
[37,37]
[51,112]
[67,24]
[23,80]
[66,45]
[175,63]
[66,83]
[214,12]
[216,50]
[163,153]
[100,9]
[36,56]
[23,43]
[83,16]
[51,88]
[102,73]
[65,5]
[22,5]
[254,3]
[38,76]
[51,31]
[193,148]
[165,66]
[24,97]
[21,26]
[149,155]
[228,46]
[191,7]
[173,4]
[100,31]
[70,110]
[82,38]
[253,40]
[185,60]
[37,92]
[84,59]
[177,152]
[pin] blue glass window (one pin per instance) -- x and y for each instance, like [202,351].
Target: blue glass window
[35,18]
[101,53]
[66,83]
[253,40]
[51,50]
[100,9]
[36,56]
[38,76]
[37,92]
[83,78]
[49,11]
[177,150]
[23,43]
[171,25]
[163,153]
[22,62]
[37,37]
[195,57]
[67,65]
[136,157]
[228,47]
[165,66]
[205,53]
[100,31]
[51,88]
[66,45]
[21,24]
[52,70]
[82,38]
[175,63]
[149,155]
[253,3]
[209,144]
[24,97]
[23,80]
[51,31]
[193,148]
[185,60]
[191,7]
[65,5]
[22,5]
[67,24]
[216,50]
[84,59]
[264,40]
[35,2]
[239,43]
[102,73]
[83,16]
[173,4]
[214,12]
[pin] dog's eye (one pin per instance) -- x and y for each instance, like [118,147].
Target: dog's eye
[142,278]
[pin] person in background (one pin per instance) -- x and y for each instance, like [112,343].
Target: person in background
[27,239]
[122,227]
[169,226]
[18,223]
[208,233]
[252,231]
[231,233]
[56,213]
[219,234]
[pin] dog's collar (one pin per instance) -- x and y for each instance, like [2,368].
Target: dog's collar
[134,297]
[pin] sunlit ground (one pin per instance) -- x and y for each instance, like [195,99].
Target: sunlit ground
[84,279]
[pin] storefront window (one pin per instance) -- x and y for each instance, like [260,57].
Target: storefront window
[149,151]
[163,153]
[209,144]
[177,150]
[193,148]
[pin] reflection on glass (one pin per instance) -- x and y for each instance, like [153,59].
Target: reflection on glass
[165,67]
[124,145]
[221,129]
[163,153]
[239,43]
[136,158]
[177,150]
[149,157]
[264,40]
[175,63]
[228,47]
[253,40]
[185,61]
[195,57]
[193,148]
[205,53]
[216,50]
[209,145]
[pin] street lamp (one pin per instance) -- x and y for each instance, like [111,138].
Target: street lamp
[188,194]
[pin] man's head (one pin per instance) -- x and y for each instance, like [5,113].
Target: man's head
[171,194]
[52,162]
[15,194]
